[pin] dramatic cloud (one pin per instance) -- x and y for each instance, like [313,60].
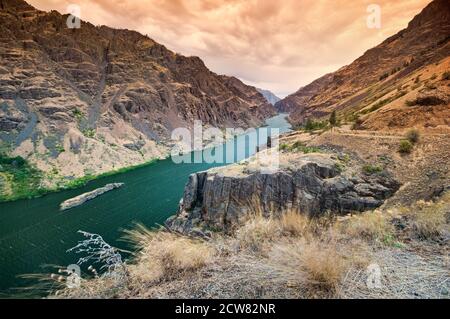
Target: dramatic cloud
[276,45]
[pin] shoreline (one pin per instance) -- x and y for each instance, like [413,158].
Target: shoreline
[84,180]
[81,181]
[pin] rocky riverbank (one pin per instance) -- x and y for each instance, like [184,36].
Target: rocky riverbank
[83,198]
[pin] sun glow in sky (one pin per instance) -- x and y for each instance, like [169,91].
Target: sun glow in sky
[276,45]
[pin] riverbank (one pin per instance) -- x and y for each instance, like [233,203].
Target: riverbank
[21,180]
[25,181]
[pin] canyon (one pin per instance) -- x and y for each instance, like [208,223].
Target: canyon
[93,99]
[362,177]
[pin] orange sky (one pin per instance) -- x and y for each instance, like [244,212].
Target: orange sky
[276,45]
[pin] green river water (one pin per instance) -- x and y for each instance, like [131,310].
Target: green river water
[35,233]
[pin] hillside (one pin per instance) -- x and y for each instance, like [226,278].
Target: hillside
[270,97]
[405,77]
[90,100]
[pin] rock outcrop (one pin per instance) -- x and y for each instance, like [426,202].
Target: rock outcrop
[83,198]
[309,184]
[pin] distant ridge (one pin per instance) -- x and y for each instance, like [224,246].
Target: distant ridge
[270,97]
[367,88]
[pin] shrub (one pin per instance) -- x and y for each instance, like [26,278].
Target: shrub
[284,147]
[90,132]
[59,148]
[78,114]
[320,266]
[429,100]
[413,136]
[357,124]
[405,147]
[23,179]
[325,265]
[300,147]
[312,125]
[410,103]
[446,76]
[372,169]
[383,76]
[339,167]
[430,86]
[333,119]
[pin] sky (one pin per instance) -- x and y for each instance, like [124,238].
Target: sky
[275,45]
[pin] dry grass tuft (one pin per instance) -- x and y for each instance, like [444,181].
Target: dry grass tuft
[429,220]
[164,256]
[371,225]
[317,266]
[295,224]
[257,232]
[324,265]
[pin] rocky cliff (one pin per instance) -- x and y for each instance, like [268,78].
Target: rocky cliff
[406,66]
[88,100]
[312,184]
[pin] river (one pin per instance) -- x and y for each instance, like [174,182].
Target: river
[35,233]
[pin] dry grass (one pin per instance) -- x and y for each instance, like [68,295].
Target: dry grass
[164,256]
[429,220]
[324,265]
[317,267]
[295,224]
[287,257]
[257,233]
[405,274]
[371,225]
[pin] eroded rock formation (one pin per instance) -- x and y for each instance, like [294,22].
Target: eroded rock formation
[309,184]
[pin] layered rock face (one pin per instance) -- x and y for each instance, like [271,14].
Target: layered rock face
[310,184]
[383,75]
[97,98]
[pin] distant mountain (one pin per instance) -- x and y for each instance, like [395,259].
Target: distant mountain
[88,100]
[270,97]
[400,83]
